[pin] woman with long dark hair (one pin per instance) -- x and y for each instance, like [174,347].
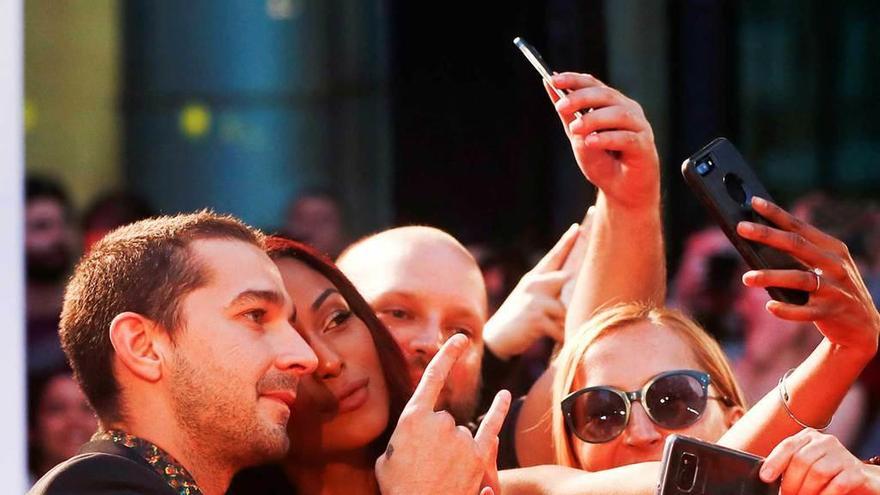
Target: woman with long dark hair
[346,410]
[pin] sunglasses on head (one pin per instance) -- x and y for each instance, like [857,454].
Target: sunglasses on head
[673,400]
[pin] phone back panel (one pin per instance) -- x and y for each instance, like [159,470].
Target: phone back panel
[726,190]
[717,470]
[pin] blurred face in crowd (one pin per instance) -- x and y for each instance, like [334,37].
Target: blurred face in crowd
[48,240]
[317,221]
[344,404]
[425,287]
[64,420]
[612,360]
[236,359]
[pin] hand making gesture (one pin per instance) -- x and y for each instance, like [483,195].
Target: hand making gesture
[428,453]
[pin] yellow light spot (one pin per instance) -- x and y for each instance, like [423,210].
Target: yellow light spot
[195,120]
[30,115]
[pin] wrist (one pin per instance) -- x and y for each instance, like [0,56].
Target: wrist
[498,346]
[860,355]
[646,208]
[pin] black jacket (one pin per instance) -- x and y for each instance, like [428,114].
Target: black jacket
[103,468]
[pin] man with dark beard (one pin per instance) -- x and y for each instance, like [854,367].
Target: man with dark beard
[48,255]
[178,331]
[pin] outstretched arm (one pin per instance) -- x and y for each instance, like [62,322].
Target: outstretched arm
[635,479]
[624,260]
[614,147]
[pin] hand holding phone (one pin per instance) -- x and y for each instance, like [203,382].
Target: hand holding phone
[612,141]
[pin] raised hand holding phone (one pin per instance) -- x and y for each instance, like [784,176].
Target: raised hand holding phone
[428,453]
[613,142]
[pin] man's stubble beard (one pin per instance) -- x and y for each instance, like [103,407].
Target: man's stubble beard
[221,427]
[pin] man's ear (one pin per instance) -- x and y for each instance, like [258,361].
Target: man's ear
[134,338]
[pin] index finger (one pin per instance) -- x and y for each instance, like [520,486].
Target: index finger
[556,256]
[575,80]
[434,378]
[492,421]
[791,223]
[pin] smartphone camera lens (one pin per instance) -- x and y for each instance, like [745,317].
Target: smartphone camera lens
[705,167]
[687,472]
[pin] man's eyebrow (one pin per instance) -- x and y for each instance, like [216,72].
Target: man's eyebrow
[323,297]
[256,295]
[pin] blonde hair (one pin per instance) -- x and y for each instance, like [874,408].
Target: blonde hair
[706,350]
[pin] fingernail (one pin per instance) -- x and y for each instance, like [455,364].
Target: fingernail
[561,103]
[573,226]
[766,474]
[747,227]
[759,201]
[591,139]
[749,277]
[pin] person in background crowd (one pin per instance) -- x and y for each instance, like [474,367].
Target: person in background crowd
[772,347]
[316,217]
[59,420]
[112,210]
[49,253]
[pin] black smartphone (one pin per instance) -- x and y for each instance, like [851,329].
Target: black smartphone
[725,184]
[540,65]
[694,467]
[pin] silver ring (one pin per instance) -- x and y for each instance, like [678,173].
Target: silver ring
[818,273]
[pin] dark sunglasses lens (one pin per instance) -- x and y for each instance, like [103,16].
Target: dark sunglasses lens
[598,416]
[676,401]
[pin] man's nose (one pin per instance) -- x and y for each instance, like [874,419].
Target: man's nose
[295,355]
[426,342]
[641,431]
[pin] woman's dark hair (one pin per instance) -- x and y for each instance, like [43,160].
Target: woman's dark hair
[394,367]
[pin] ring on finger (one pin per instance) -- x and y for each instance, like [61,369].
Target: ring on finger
[818,273]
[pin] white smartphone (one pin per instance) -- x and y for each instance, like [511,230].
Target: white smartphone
[540,65]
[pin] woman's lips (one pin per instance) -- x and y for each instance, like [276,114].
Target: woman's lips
[353,396]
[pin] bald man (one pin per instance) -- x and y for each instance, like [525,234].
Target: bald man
[426,287]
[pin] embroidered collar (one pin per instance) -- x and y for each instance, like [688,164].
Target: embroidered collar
[165,466]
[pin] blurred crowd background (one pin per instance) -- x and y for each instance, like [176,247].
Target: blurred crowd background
[330,119]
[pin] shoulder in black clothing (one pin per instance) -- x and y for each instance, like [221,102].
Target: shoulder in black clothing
[101,468]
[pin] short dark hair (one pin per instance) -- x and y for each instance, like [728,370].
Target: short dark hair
[146,268]
[394,367]
[36,187]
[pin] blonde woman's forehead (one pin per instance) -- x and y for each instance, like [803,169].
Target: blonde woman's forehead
[627,357]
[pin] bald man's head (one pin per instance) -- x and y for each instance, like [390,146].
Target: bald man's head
[425,286]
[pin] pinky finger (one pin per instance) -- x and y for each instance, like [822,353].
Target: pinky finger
[794,312]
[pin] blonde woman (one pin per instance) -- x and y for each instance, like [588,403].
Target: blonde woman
[631,354]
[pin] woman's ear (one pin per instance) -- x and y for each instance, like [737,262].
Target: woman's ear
[133,338]
[733,414]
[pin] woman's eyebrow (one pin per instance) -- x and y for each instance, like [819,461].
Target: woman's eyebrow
[323,297]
